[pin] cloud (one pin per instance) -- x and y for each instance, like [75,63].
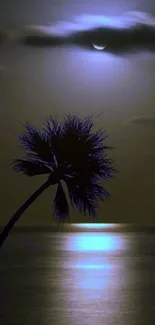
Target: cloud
[134,31]
[143,120]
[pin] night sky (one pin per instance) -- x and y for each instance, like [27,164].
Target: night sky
[36,82]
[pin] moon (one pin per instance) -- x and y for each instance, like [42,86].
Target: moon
[99,47]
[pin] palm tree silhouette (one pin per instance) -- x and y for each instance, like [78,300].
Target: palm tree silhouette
[69,152]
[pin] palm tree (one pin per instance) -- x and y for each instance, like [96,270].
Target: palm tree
[69,152]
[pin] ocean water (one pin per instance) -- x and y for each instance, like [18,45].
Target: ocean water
[87,277]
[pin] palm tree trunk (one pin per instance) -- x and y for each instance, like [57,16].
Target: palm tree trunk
[21,210]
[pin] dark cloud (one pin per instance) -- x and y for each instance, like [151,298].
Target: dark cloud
[134,31]
[42,41]
[146,120]
[117,40]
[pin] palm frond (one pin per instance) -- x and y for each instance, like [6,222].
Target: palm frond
[37,145]
[52,127]
[60,205]
[92,167]
[85,150]
[74,124]
[85,195]
[29,168]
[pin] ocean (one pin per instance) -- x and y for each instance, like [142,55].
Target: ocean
[78,277]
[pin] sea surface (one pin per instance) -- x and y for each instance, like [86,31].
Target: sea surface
[86,277]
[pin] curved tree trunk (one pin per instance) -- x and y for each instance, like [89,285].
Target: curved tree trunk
[21,210]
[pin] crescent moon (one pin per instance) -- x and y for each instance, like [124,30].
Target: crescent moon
[99,47]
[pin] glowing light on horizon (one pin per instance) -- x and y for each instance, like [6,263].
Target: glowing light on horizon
[96,225]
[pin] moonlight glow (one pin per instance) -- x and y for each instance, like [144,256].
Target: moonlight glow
[94,242]
[95,226]
[99,47]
